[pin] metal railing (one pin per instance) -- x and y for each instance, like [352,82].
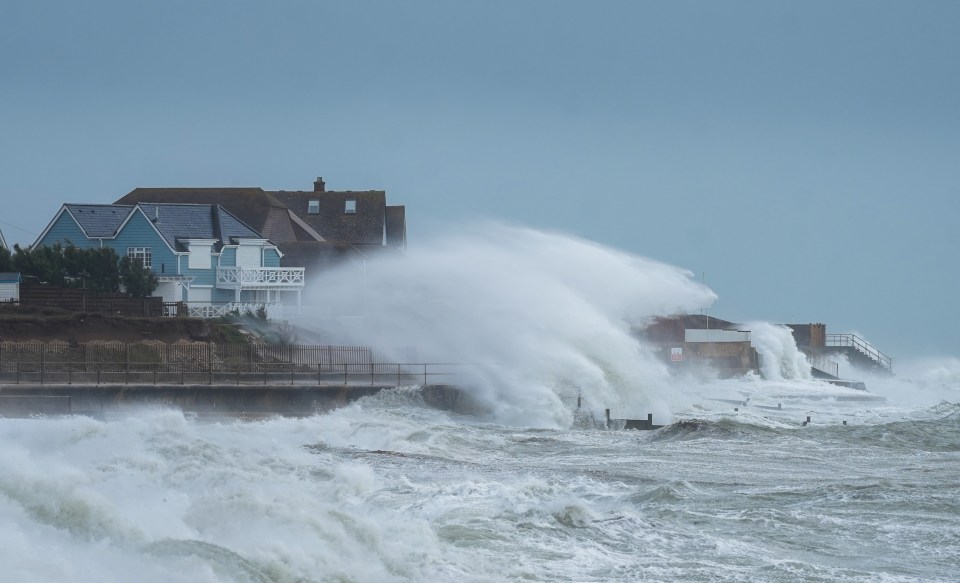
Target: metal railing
[820,362]
[285,373]
[862,346]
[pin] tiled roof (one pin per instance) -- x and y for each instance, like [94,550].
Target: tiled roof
[196,221]
[99,220]
[10,276]
[231,227]
[249,204]
[173,221]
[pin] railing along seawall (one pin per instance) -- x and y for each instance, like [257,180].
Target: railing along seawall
[862,346]
[240,364]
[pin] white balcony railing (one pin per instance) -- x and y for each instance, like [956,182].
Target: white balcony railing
[204,310]
[260,278]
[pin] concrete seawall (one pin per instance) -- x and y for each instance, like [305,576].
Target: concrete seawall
[27,400]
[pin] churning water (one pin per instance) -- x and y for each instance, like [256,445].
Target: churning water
[734,488]
[389,490]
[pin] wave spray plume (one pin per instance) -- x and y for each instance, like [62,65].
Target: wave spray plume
[538,316]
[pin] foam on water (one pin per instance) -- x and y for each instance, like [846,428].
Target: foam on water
[387,490]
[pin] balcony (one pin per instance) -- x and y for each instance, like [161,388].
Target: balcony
[260,278]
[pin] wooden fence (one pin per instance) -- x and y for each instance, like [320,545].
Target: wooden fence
[84,300]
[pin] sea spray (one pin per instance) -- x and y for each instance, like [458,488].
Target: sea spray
[779,356]
[537,318]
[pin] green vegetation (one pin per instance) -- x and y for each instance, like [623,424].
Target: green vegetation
[99,270]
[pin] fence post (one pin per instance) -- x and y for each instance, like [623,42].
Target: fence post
[18,371]
[424,374]
[291,374]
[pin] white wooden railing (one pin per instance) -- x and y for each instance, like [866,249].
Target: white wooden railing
[273,311]
[289,278]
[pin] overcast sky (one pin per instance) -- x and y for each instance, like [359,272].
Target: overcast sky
[804,156]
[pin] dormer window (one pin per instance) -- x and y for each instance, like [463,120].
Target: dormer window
[351,206]
[313,207]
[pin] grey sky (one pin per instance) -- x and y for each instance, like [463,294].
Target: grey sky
[804,155]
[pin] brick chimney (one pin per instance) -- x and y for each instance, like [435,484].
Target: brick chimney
[319,185]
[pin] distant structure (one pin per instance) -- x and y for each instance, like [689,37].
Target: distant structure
[3,242]
[813,339]
[201,253]
[312,228]
[694,340]
[9,286]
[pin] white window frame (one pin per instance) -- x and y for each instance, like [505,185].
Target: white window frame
[144,254]
[313,207]
[350,207]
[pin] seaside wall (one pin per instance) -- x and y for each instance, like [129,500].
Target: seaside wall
[26,400]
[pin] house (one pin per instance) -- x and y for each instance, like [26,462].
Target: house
[9,287]
[312,228]
[201,253]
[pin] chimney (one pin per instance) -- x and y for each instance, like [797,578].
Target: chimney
[156,213]
[319,185]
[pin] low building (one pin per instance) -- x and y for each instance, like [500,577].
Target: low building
[201,253]
[702,341]
[9,287]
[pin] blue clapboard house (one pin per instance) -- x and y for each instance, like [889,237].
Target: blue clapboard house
[201,254]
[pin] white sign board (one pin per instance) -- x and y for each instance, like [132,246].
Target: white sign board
[676,354]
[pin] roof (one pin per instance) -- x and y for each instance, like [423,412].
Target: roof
[284,216]
[363,227]
[99,220]
[251,205]
[196,221]
[9,277]
[174,222]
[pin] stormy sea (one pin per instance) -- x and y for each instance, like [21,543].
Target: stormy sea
[536,485]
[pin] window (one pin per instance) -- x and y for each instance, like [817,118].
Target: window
[313,207]
[200,256]
[351,206]
[143,254]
